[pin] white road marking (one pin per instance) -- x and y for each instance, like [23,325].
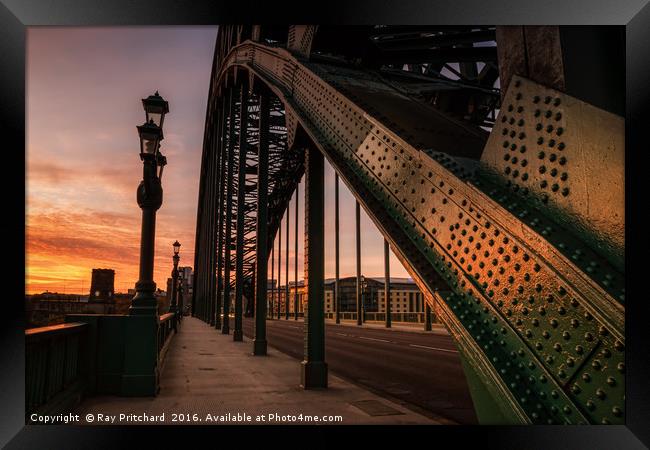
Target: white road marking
[373,339]
[433,348]
[341,334]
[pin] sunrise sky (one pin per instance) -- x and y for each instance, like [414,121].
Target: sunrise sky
[84,87]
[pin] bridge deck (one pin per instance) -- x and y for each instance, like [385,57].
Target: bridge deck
[205,372]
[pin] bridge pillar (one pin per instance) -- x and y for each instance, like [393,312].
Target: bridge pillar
[358,244]
[313,368]
[337,297]
[286,269]
[217,256]
[279,270]
[295,260]
[208,229]
[225,326]
[271,305]
[387,283]
[261,250]
[238,334]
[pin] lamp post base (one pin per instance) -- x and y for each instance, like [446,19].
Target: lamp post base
[140,367]
[144,303]
[238,335]
[313,374]
[259,347]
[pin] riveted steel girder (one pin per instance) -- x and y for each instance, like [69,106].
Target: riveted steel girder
[544,337]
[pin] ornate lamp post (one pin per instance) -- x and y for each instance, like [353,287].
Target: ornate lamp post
[149,196]
[173,307]
[140,370]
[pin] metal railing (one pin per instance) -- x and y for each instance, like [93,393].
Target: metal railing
[55,376]
[403,317]
[166,328]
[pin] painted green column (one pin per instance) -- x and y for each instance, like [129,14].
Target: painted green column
[337,295]
[286,270]
[279,270]
[387,284]
[295,260]
[215,314]
[225,326]
[261,250]
[273,281]
[358,245]
[238,334]
[314,368]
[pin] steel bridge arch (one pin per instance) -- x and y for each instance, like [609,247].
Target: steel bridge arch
[510,357]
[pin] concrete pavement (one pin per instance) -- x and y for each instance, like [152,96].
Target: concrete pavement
[207,379]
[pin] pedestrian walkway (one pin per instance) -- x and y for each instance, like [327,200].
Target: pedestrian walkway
[207,379]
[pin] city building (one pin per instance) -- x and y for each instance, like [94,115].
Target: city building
[405,295]
[102,286]
[50,308]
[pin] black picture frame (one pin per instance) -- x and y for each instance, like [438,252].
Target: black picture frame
[16,15]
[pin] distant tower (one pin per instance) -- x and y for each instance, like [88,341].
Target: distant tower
[102,288]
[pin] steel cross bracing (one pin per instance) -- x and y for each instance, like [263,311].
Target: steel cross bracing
[250,200]
[285,171]
[229,202]
[545,338]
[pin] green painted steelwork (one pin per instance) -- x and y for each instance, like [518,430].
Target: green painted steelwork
[544,340]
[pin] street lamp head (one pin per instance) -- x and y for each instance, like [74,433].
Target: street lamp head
[150,137]
[161,160]
[155,108]
[177,247]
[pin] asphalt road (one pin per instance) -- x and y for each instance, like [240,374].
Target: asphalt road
[422,371]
